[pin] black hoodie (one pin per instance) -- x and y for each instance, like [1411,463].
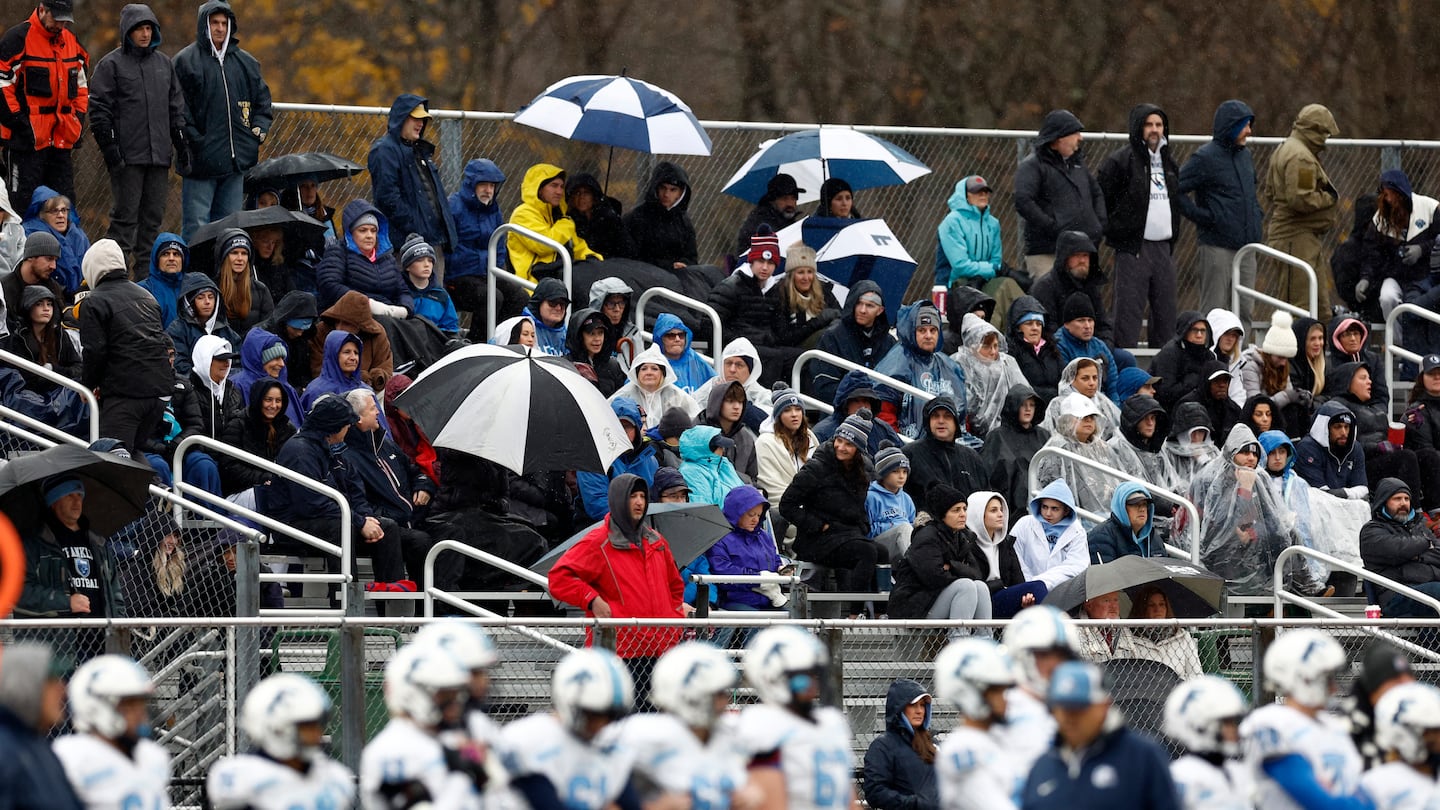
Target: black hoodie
[1055,194]
[609,377]
[1041,368]
[601,228]
[1060,283]
[1178,362]
[1009,447]
[1223,412]
[845,339]
[659,235]
[943,462]
[296,305]
[958,301]
[136,108]
[1124,177]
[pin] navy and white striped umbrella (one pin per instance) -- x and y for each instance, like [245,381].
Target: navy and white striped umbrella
[527,413]
[815,155]
[617,111]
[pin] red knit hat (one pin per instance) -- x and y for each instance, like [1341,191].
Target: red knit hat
[764,245]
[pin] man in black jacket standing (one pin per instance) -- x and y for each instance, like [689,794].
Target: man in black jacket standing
[136,113]
[124,349]
[1143,202]
[1054,191]
[229,116]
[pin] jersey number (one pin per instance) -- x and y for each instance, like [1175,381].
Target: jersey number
[830,776]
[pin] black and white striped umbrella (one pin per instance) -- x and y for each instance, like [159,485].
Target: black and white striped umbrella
[528,413]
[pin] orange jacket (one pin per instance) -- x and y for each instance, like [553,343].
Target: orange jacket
[43,89]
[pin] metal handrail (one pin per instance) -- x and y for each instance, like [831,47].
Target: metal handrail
[492,269]
[1237,291]
[850,365]
[344,551]
[1395,350]
[1283,596]
[432,593]
[717,343]
[1192,554]
[12,359]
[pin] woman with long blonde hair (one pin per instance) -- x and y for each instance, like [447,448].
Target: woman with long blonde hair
[247,299]
[807,305]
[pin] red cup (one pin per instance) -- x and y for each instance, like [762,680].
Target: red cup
[1396,434]
[937,296]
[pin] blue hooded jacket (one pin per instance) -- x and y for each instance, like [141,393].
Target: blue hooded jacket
[475,222]
[400,173]
[252,370]
[691,370]
[165,287]
[332,380]
[594,487]
[709,476]
[344,268]
[895,776]
[743,553]
[887,509]
[1221,175]
[73,243]
[929,371]
[1113,539]
[968,241]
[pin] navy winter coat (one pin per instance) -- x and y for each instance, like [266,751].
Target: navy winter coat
[407,183]
[895,776]
[1316,461]
[225,101]
[31,776]
[475,222]
[1121,769]
[343,268]
[389,477]
[308,454]
[1221,174]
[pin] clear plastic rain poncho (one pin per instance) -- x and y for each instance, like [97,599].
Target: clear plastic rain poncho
[1109,418]
[1324,523]
[1091,487]
[1185,458]
[1244,524]
[988,374]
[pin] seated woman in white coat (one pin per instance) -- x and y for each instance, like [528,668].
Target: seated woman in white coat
[1050,541]
[653,385]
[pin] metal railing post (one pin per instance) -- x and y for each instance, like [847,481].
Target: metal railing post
[1237,290]
[493,270]
[689,303]
[93,406]
[1393,350]
[1155,492]
[246,659]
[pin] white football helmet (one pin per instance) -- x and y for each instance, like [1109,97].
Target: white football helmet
[276,707]
[415,679]
[1197,708]
[686,680]
[96,690]
[966,668]
[587,682]
[468,643]
[1034,629]
[783,661]
[1301,664]
[1402,716]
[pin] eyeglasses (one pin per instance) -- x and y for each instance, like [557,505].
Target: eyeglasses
[618,304]
[673,336]
[58,211]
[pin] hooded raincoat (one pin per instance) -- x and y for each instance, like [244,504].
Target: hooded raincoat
[1091,487]
[1135,453]
[663,236]
[166,286]
[1109,418]
[604,288]
[353,312]
[533,214]
[1244,524]
[1053,553]
[1221,175]
[187,328]
[629,565]
[987,382]
[930,371]
[896,778]
[407,182]
[968,241]
[743,553]
[1295,494]
[1009,447]
[1183,457]
[755,392]
[691,370]
[1301,199]
[667,396]
[638,460]
[475,222]
[709,476]
[252,370]
[73,242]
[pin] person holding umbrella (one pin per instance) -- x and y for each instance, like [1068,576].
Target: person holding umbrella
[623,568]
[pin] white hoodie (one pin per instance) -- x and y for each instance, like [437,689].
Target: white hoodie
[667,396]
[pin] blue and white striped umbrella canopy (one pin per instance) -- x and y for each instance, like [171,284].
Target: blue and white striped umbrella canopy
[812,156]
[617,111]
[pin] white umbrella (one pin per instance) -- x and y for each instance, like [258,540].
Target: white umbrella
[812,156]
[617,111]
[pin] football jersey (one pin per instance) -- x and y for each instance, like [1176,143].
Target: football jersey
[1029,728]
[104,778]
[1397,786]
[585,777]
[814,755]
[1276,730]
[975,773]
[667,752]
[404,753]
[1202,786]
[261,783]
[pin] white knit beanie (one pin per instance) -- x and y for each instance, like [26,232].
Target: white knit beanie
[1280,338]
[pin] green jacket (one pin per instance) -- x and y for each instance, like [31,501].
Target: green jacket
[46,594]
[1302,198]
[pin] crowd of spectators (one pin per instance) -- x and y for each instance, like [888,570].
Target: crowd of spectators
[924,484]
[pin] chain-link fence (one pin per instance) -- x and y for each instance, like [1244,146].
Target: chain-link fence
[203,668]
[911,211]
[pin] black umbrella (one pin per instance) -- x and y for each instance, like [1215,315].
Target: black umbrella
[202,243]
[1193,591]
[287,171]
[116,489]
[690,529]
[525,412]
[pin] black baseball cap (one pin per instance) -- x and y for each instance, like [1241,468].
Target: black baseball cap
[61,10]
